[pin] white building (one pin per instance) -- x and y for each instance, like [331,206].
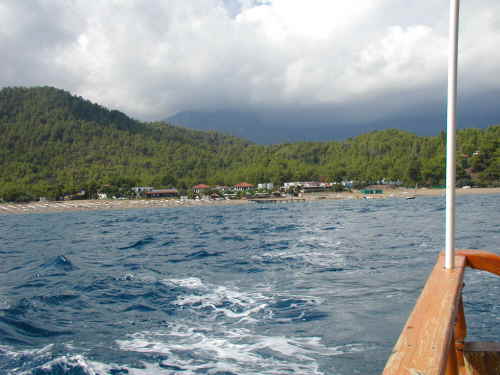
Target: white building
[287,185]
[265,186]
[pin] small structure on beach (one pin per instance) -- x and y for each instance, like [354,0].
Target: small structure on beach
[372,191]
[102,196]
[162,193]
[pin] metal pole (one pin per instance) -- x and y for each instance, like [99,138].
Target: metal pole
[450,141]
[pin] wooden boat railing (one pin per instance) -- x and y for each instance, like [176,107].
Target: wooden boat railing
[433,339]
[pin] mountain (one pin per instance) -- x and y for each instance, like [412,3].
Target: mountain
[54,143]
[330,122]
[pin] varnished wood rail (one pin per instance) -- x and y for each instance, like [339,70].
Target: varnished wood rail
[432,340]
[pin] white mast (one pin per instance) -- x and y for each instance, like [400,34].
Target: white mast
[450,142]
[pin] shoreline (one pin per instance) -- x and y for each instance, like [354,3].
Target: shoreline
[115,205]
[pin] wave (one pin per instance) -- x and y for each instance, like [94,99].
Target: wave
[60,262]
[44,362]
[26,329]
[140,244]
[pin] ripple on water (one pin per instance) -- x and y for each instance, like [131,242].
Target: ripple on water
[140,244]
[21,330]
[60,262]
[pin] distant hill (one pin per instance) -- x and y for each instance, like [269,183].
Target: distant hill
[329,123]
[268,128]
[54,143]
[52,140]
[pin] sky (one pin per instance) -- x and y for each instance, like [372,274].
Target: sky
[347,63]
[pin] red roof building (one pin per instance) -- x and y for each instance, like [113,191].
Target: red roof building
[200,188]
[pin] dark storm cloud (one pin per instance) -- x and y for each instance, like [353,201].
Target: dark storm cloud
[326,63]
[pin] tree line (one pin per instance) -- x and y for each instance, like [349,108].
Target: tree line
[54,143]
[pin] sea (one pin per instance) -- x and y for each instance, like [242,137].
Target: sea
[320,287]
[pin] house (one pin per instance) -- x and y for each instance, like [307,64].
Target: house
[307,186]
[315,186]
[243,186]
[222,188]
[162,193]
[201,188]
[265,186]
[288,185]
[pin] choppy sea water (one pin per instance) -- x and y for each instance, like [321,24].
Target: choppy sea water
[306,288]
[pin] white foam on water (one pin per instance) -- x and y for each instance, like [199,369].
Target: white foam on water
[60,365]
[66,363]
[190,283]
[323,259]
[221,296]
[231,305]
[222,338]
[218,300]
[28,362]
[219,339]
[8,351]
[239,351]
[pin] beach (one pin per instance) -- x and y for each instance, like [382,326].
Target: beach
[101,205]
[116,204]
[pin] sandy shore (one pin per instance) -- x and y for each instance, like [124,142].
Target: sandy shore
[470,191]
[93,205]
[87,205]
[399,193]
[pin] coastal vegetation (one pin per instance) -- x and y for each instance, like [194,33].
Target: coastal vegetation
[54,143]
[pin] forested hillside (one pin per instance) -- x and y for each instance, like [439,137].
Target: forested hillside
[53,143]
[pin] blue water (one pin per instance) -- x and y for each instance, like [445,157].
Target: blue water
[306,288]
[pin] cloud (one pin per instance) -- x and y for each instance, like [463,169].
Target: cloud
[152,59]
